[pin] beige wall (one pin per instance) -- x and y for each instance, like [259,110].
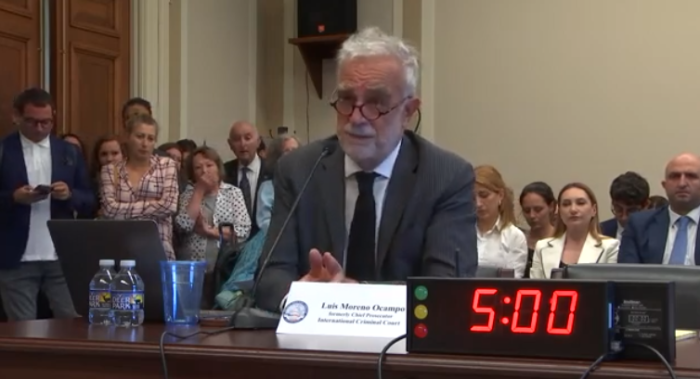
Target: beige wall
[543,89]
[213,63]
[566,91]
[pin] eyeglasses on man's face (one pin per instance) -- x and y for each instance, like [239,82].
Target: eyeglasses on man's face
[370,111]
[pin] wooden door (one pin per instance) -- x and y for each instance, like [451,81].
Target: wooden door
[92,65]
[20,65]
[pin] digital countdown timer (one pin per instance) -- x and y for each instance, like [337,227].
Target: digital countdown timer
[510,317]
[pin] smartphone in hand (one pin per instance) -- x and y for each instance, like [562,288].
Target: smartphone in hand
[42,189]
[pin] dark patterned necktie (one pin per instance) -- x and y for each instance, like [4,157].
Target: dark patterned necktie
[244,185]
[361,259]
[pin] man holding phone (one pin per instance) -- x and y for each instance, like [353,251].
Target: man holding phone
[41,178]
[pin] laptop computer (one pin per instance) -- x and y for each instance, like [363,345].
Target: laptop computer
[80,244]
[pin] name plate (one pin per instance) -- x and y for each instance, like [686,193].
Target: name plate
[339,309]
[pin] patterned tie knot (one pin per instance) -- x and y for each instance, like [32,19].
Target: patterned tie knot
[365,181]
[683,222]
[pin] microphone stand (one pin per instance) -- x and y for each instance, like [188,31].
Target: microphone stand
[246,316]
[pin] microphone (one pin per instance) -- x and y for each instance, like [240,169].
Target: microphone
[245,315]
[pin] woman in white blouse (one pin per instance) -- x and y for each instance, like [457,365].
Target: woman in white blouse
[206,204]
[577,237]
[499,242]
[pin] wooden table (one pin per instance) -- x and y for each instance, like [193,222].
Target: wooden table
[70,349]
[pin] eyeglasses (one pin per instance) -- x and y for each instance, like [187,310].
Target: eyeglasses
[621,211]
[35,122]
[369,111]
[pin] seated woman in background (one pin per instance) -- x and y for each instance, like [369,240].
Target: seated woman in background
[577,237]
[499,242]
[277,148]
[143,186]
[247,263]
[539,209]
[207,203]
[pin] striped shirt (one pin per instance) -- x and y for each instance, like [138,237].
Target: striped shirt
[154,198]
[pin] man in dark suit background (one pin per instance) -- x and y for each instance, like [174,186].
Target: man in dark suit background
[668,235]
[385,204]
[629,193]
[247,170]
[41,178]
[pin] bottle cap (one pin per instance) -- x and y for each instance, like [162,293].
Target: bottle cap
[106,262]
[127,263]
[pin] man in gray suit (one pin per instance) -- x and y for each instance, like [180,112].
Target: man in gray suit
[384,204]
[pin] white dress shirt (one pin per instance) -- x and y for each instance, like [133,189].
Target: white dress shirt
[352,191]
[252,173]
[620,229]
[503,247]
[37,160]
[694,215]
[381,183]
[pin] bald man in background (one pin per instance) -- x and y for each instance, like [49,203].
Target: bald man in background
[247,170]
[668,235]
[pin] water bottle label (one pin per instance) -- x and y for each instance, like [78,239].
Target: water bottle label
[127,300]
[100,299]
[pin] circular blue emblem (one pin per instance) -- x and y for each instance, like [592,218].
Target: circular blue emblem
[295,312]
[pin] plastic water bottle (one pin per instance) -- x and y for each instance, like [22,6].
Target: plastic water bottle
[100,304]
[127,291]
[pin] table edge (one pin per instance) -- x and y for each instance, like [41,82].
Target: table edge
[392,363]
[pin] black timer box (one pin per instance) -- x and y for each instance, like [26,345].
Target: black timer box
[644,314]
[509,317]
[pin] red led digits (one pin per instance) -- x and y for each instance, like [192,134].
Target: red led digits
[529,329]
[483,310]
[572,315]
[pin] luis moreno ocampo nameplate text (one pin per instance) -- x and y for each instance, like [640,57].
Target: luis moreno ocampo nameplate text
[376,314]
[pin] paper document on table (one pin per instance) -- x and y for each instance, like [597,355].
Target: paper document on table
[685,334]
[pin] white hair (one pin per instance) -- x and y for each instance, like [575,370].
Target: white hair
[372,42]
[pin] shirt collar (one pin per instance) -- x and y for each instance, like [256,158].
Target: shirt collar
[254,165]
[384,169]
[27,142]
[693,215]
[496,228]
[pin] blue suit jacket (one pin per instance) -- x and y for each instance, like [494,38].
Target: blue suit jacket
[609,228]
[644,238]
[66,166]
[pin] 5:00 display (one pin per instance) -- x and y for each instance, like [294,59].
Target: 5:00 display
[515,321]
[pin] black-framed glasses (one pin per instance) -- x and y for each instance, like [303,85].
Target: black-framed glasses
[35,122]
[618,210]
[370,111]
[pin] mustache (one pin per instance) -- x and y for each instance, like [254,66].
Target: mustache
[361,130]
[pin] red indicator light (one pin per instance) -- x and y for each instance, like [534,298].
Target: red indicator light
[506,300]
[321,28]
[420,331]
[505,321]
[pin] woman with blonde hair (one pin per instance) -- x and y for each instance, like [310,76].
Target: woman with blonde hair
[499,242]
[577,237]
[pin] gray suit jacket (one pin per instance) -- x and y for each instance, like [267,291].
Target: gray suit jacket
[427,226]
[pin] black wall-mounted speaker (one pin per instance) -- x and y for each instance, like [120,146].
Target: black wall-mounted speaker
[326,17]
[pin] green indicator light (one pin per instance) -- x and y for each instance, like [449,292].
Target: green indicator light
[421,293]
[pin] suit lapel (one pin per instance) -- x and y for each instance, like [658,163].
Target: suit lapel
[234,173]
[591,252]
[657,235]
[332,179]
[57,160]
[396,198]
[14,153]
[551,255]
